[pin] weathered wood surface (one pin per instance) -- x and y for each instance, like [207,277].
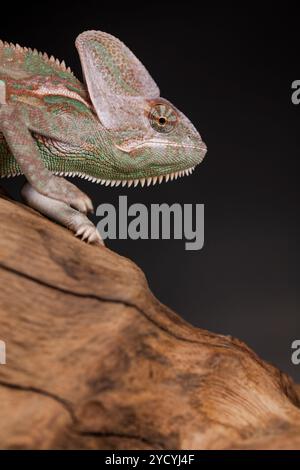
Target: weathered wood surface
[94,361]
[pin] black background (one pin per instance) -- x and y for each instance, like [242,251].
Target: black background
[230,71]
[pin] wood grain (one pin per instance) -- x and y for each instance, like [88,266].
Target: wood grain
[95,361]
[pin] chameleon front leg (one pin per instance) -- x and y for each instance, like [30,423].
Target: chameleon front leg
[16,130]
[62,213]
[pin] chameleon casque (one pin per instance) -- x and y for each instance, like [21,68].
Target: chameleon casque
[114,129]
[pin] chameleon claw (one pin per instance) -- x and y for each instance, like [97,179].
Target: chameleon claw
[90,206]
[80,231]
[95,238]
[90,234]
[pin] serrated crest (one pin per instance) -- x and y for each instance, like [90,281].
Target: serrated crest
[60,65]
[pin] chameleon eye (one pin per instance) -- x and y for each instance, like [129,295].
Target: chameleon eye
[163,118]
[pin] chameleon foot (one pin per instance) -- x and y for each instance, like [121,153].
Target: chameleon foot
[62,213]
[64,191]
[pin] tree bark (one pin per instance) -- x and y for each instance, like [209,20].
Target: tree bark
[95,361]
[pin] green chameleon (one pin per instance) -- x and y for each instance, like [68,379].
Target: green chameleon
[114,129]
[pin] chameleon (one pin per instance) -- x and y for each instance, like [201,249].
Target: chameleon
[113,128]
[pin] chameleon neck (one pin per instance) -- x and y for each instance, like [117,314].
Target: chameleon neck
[87,159]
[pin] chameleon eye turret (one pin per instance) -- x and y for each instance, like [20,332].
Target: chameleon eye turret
[163,118]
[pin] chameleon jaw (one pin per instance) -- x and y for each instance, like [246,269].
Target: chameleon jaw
[107,182]
[143,181]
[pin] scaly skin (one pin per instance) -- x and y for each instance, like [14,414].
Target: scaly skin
[114,130]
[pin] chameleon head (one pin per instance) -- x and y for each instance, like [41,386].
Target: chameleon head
[152,140]
[164,146]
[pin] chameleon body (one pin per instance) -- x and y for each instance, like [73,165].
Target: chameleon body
[114,129]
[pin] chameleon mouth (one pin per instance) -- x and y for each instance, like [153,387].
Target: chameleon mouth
[134,145]
[143,181]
